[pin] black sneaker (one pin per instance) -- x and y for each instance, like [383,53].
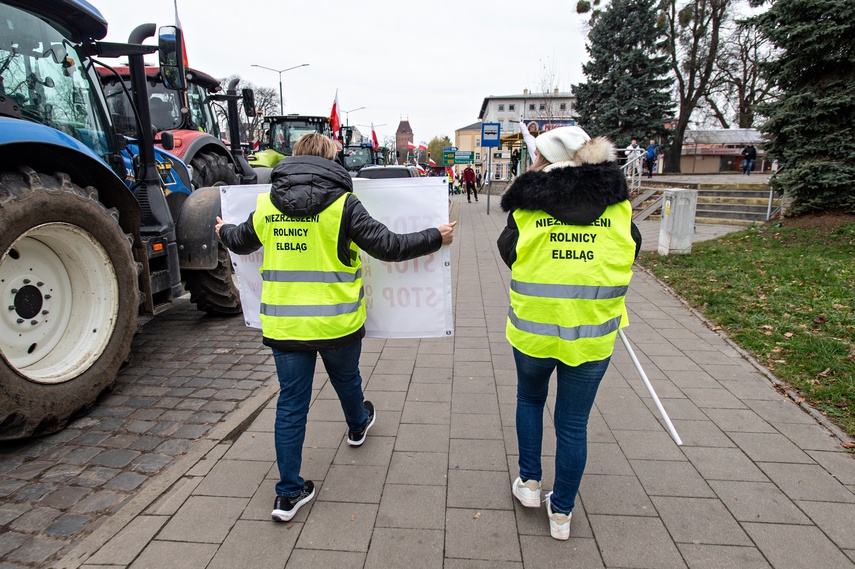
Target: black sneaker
[285,508]
[356,438]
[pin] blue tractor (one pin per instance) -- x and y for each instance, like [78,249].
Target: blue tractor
[89,246]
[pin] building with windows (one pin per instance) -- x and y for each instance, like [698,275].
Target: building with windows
[468,139]
[720,150]
[403,136]
[545,111]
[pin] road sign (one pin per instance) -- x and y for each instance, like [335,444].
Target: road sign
[490,134]
[448,158]
[449,149]
[464,157]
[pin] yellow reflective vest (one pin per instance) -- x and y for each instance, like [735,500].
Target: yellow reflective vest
[568,284]
[307,293]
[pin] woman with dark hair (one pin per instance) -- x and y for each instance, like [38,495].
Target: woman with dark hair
[570,243]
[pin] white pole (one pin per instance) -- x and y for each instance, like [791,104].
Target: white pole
[671,430]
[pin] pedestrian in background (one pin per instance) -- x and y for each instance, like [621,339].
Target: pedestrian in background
[570,243]
[311,296]
[749,154]
[469,180]
[634,155]
[651,155]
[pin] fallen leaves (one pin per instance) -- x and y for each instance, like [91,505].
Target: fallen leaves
[476,516]
[848,445]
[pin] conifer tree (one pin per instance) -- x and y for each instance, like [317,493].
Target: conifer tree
[810,126]
[627,93]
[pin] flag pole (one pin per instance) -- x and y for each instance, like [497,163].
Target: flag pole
[670,426]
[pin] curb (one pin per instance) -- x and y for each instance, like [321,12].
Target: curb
[777,384]
[162,482]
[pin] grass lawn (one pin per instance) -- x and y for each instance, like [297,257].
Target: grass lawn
[787,296]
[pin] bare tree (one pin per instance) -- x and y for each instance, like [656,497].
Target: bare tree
[266,103]
[737,87]
[694,34]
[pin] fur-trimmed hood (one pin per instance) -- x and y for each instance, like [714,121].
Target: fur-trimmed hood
[576,191]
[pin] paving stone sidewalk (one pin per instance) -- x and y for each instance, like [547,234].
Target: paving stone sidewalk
[757,483]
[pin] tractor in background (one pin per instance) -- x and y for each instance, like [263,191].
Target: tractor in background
[85,257]
[281,133]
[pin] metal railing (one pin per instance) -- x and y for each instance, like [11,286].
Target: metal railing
[632,169]
[776,198]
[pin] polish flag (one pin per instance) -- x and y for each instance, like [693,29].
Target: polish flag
[335,117]
[423,146]
[410,145]
[178,25]
[450,171]
[420,167]
[375,144]
[432,163]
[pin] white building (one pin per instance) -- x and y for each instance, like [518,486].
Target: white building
[545,110]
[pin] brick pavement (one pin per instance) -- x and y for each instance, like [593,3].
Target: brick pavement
[757,483]
[190,373]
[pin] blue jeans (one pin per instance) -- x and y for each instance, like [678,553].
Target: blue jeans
[295,370]
[748,166]
[577,388]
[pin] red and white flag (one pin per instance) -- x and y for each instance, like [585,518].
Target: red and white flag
[423,146]
[420,167]
[432,163]
[375,144]
[178,25]
[410,145]
[335,117]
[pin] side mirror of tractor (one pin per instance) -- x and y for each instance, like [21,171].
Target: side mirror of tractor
[171,51]
[248,96]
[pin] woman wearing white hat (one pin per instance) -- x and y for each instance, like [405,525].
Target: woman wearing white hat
[570,243]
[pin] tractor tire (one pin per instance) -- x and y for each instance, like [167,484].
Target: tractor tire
[210,169]
[216,291]
[70,296]
[263,175]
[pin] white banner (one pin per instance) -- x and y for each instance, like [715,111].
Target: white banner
[411,299]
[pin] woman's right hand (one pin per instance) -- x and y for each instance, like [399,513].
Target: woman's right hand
[447,232]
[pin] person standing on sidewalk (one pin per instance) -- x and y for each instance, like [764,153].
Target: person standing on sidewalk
[570,243]
[634,155]
[312,228]
[469,180]
[749,153]
[650,157]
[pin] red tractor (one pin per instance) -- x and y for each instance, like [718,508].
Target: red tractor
[189,115]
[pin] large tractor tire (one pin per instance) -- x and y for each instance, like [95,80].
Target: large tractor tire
[215,291]
[69,291]
[210,169]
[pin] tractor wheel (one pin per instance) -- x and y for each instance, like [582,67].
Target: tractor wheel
[215,291]
[68,301]
[210,169]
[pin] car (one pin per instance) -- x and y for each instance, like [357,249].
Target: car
[383,172]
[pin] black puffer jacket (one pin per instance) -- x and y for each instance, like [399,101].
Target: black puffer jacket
[574,194]
[303,186]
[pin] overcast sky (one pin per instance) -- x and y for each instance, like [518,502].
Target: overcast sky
[457,52]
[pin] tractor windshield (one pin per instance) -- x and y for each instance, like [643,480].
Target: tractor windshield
[164,105]
[283,135]
[44,80]
[355,157]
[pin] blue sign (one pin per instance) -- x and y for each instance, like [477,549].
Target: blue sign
[449,149]
[491,134]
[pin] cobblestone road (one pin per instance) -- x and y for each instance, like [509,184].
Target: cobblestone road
[189,373]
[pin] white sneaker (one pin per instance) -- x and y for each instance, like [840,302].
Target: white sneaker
[559,524]
[528,492]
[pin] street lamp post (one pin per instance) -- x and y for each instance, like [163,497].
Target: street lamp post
[280,72]
[347,115]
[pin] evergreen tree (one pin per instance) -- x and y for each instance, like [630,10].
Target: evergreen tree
[627,93]
[812,125]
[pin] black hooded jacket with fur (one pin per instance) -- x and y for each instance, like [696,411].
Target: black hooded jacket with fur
[303,186]
[575,194]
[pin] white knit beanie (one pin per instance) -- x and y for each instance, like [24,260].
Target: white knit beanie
[560,144]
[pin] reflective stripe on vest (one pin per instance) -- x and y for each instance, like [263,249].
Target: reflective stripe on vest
[306,292]
[568,285]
